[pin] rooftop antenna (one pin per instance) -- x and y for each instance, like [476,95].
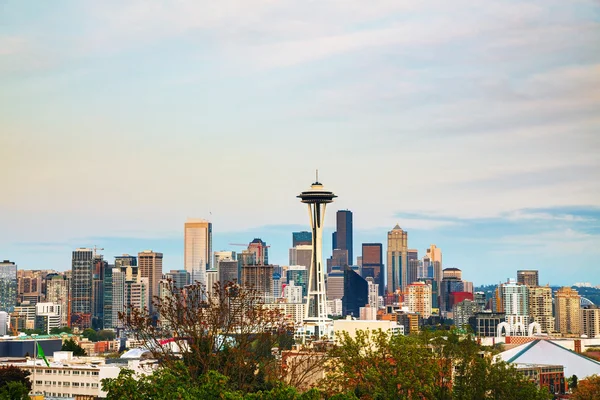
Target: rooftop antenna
[317,174]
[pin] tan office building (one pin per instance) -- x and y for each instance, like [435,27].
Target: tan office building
[150,266]
[540,307]
[397,260]
[567,305]
[197,245]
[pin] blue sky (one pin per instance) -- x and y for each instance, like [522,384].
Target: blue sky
[474,126]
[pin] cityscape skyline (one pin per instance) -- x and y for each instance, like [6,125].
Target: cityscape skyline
[472,126]
[177,252]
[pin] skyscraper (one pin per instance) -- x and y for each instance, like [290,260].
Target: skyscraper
[567,305]
[228,272]
[412,273]
[98,292]
[397,259]
[298,274]
[197,245]
[515,303]
[316,321]
[372,264]
[82,273]
[260,250]
[528,277]
[418,298]
[8,286]
[434,257]
[180,278]
[301,255]
[590,321]
[540,306]
[303,238]
[57,291]
[356,292]
[342,238]
[223,255]
[339,258]
[150,267]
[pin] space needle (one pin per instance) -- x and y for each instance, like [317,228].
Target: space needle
[316,322]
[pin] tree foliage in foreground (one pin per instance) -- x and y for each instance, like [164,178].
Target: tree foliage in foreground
[176,382]
[377,365]
[225,344]
[587,389]
[226,329]
[14,383]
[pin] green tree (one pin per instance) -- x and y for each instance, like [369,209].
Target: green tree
[11,373]
[105,334]
[14,383]
[14,391]
[572,382]
[71,345]
[90,334]
[176,382]
[431,365]
[64,329]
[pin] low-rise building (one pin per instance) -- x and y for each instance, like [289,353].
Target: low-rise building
[551,377]
[72,377]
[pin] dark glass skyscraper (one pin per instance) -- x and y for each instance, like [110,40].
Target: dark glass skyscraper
[356,292]
[342,237]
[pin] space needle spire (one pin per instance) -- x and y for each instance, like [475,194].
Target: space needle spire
[315,317]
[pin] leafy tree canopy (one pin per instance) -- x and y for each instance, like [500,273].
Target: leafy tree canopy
[64,329]
[587,389]
[71,345]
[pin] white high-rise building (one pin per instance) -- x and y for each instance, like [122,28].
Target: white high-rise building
[197,245]
[48,316]
[373,293]
[4,320]
[515,302]
[292,293]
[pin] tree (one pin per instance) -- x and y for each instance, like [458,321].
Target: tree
[226,329]
[105,334]
[14,391]
[72,345]
[63,329]
[430,365]
[587,389]
[14,383]
[572,382]
[90,334]
[176,382]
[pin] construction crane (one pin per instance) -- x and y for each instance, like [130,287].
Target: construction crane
[97,248]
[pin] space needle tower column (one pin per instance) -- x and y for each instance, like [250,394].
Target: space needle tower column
[315,317]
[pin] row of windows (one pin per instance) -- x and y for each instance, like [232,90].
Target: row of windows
[66,372]
[66,384]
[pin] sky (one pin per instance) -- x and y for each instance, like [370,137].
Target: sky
[473,125]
